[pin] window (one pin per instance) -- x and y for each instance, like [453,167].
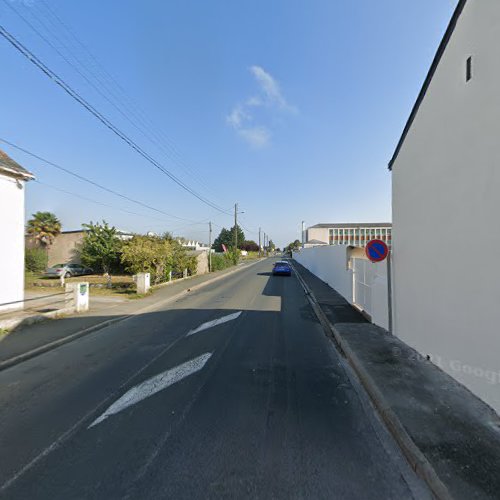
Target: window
[468,69]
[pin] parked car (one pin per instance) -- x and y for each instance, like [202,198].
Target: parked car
[67,270]
[283,268]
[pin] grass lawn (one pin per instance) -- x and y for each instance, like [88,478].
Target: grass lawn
[121,285]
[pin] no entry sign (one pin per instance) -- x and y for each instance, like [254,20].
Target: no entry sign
[376,250]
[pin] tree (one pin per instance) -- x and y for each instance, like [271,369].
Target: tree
[157,255]
[181,260]
[148,254]
[294,246]
[271,246]
[101,248]
[226,237]
[249,246]
[44,227]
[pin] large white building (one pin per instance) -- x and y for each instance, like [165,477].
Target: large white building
[446,184]
[12,186]
[351,233]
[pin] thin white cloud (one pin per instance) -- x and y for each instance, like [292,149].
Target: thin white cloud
[270,97]
[26,3]
[254,101]
[237,116]
[269,86]
[258,137]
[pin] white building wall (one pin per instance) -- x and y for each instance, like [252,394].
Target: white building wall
[318,233]
[446,188]
[12,246]
[330,264]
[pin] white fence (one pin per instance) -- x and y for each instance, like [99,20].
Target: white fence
[358,280]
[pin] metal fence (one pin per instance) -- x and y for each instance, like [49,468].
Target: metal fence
[41,304]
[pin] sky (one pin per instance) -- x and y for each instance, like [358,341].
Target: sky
[291,109]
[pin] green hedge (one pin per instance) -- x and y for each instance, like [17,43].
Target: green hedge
[35,260]
[221,261]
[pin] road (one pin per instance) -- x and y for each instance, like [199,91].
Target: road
[233,391]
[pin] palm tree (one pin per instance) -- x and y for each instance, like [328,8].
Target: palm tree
[44,227]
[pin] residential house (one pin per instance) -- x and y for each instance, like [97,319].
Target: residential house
[13,179]
[193,245]
[446,206]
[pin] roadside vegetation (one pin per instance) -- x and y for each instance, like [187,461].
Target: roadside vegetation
[43,227]
[35,260]
[115,260]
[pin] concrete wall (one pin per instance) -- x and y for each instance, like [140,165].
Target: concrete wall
[329,263]
[446,183]
[334,266]
[318,233]
[12,247]
[202,260]
[66,248]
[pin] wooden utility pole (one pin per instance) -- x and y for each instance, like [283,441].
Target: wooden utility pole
[210,247]
[236,226]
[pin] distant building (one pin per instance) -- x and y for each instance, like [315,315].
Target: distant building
[352,234]
[193,245]
[314,243]
[12,188]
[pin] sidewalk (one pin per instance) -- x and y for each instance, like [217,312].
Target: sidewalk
[27,341]
[451,438]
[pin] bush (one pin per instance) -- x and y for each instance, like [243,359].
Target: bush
[35,260]
[221,261]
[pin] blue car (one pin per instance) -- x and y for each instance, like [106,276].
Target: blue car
[282,268]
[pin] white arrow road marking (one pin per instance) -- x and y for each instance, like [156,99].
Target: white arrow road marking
[154,385]
[210,324]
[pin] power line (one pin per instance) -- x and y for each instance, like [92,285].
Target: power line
[111,206]
[91,200]
[89,181]
[100,87]
[61,83]
[134,108]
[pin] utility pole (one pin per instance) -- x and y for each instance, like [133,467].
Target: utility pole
[210,247]
[235,226]
[259,244]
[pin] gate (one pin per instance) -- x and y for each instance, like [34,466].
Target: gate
[363,277]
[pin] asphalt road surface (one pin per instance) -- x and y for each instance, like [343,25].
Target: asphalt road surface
[233,391]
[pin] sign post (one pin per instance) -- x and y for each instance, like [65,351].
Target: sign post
[377,251]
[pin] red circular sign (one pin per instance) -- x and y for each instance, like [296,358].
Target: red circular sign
[376,250]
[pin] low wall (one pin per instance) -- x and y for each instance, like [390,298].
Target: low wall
[328,263]
[334,265]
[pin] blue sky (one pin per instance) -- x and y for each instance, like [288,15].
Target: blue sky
[290,108]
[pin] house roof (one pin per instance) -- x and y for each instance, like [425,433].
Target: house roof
[9,167]
[428,79]
[351,224]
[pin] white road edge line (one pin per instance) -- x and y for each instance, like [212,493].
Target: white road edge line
[215,322]
[154,385]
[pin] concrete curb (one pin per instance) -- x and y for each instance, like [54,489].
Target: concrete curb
[8,324]
[415,457]
[8,363]
[56,343]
